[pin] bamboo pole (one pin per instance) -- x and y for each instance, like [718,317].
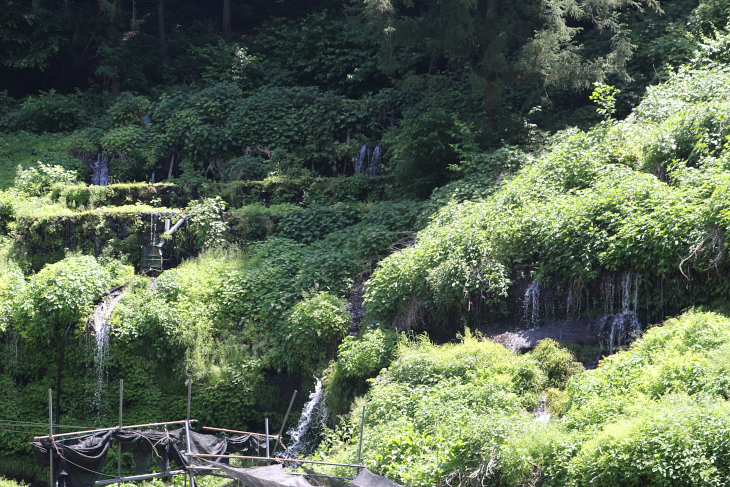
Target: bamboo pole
[281,430]
[234,431]
[123,427]
[276,459]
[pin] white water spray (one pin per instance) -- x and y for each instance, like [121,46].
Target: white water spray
[313,411]
[100,323]
[531,303]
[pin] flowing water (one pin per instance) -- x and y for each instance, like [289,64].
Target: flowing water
[100,322]
[368,160]
[304,436]
[531,303]
[100,170]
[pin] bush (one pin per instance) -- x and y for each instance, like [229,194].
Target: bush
[37,181]
[58,296]
[556,362]
[365,355]
[310,336]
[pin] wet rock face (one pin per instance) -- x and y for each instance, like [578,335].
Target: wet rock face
[608,331]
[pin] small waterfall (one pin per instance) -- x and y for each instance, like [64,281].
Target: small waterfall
[531,303]
[369,159]
[620,296]
[542,415]
[313,414]
[100,321]
[100,170]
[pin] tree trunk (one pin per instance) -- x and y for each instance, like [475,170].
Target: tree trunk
[58,379]
[161,27]
[227,19]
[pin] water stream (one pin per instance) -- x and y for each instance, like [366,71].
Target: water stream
[369,159]
[304,435]
[100,322]
[100,170]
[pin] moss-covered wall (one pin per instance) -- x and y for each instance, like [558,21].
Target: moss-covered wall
[118,234]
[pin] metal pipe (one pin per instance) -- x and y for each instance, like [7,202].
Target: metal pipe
[286,416]
[190,385]
[119,443]
[50,434]
[139,477]
[233,431]
[266,426]
[187,431]
[173,229]
[276,459]
[359,451]
[123,428]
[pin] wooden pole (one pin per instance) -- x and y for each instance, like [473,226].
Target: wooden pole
[359,451]
[119,443]
[266,426]
[50,433]
[286,416]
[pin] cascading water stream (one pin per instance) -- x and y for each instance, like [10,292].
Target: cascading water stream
[100,322]
[368,159]
[313,413]
[100,170]
[531,303]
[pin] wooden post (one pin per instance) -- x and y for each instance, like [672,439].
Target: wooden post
[266,426]
[286,416]
[359,451]
[50,433]
[119,443]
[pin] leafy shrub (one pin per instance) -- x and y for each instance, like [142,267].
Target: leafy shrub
[556,362]
[206,221]
[60,295]
[129,108]
[36,181]
[310,336]
[47,112]
[307,225]
[365,355]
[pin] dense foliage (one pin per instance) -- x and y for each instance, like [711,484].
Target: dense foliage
[539,162]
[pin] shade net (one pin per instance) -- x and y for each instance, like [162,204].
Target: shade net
[276,476]
[77,462]
[271,476]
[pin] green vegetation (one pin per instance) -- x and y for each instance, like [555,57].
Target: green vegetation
[578,152]
[458,411]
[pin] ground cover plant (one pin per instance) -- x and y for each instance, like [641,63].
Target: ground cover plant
[366,191]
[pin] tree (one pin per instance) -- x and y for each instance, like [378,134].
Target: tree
[499,39]
[161,27]
[227,19]
[56,300]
